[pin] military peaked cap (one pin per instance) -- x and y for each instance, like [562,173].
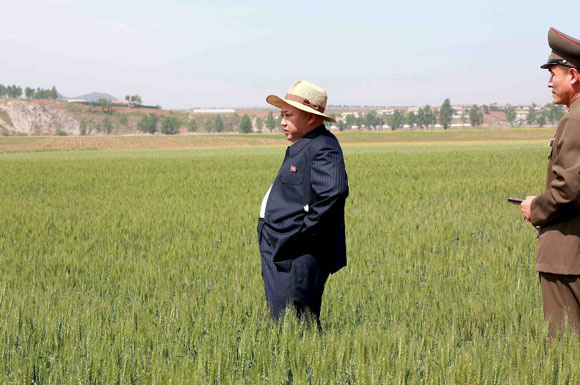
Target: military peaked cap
[565,50]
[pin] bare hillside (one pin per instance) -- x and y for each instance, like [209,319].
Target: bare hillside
[33,118]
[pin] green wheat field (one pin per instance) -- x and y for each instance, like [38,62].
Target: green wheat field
[141,265]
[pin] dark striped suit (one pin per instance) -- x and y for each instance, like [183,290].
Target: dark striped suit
[302,236]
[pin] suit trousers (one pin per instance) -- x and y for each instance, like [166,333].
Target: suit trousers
[561,298]
[298,281]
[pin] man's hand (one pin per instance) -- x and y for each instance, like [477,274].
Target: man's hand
[526,207]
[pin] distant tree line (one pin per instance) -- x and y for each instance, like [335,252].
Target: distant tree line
[154,123]
[551,113]
[232,122]
[88,127]
[424,117]
[30,93]
[151,123]
[427,117]
[475,116]
[39,93]
[10,91]
[133,99]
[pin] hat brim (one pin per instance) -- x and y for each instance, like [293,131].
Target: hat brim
[558,59]
[280,103]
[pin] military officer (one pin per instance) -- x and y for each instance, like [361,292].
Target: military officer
[557,210]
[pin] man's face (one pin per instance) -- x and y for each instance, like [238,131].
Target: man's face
[295,123]
[560,83]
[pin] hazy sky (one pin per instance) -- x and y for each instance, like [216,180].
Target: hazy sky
[184,53]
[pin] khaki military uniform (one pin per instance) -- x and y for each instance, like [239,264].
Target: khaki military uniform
[557,212]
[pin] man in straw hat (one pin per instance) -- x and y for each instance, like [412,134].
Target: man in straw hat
[301,225]
[557,210]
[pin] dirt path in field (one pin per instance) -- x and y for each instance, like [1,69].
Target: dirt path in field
[56,143]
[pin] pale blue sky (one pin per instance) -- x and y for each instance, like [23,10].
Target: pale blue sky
[180,53]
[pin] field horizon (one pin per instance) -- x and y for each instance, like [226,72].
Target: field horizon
[18,144]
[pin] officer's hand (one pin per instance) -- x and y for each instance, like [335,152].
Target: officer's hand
[526,207]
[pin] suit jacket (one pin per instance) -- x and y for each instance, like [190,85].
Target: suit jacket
[557,209]
[305,209]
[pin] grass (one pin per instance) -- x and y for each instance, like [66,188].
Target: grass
[142,266]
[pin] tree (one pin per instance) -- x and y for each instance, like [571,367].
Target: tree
[396,120]
[411,119]
[485,109]
[148,123]
[107,125]
[209,124]
[259,124]
[170,125]
[510,115]
[350,121]
[232,122]
[270,122]
[83,127]
[53,93]
[475,116]
[555,112]
[371,119]
[445,114]
[542,119]
[136,99]
[433,118]
[531,117]
[192,125]
[421,121]
[29,93]
[13,91]
[219,123]
[426,116]
[463,118]
[128,98]
[124,120]
[245,124]
[105,104]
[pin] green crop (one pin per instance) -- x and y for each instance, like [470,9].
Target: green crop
[142,267]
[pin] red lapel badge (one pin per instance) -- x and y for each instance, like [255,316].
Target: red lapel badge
[293,168]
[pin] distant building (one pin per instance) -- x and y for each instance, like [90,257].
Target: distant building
[353,113]
[213,111]
[502,106]
[388,111]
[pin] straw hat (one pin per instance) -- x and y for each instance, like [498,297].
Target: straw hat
[306,97]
